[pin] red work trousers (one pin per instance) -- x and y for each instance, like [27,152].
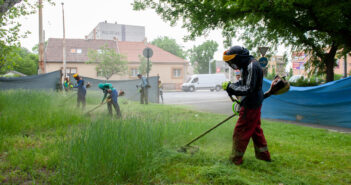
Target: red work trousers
[249,126]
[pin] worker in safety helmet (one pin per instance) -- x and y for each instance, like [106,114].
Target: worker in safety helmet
[82,91]
[144,85]
[107,88]
[249,87]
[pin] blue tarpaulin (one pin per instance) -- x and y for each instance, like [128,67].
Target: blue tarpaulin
[327,104]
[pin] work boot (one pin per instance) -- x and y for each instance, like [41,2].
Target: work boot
[237,160]
[265,156]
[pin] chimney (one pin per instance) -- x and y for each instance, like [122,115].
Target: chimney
[105,21]
[115,22]
[86,37]
[145,41]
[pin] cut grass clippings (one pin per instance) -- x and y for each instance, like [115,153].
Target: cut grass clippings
[42,142]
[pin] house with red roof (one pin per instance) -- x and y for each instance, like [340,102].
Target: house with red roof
[172,70]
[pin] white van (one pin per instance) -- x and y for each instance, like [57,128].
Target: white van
[204,81]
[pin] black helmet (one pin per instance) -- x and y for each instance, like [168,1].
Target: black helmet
[237,57]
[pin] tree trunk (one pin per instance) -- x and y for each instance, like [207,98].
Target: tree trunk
[329,59]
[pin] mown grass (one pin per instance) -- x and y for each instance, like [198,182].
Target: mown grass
[42,142]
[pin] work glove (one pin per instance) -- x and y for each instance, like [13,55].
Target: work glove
[236,107]
[225,85]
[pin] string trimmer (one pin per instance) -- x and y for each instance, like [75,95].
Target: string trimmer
[193,149]
[279,86]
[98,106]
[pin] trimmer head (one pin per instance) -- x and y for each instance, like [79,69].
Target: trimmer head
[188,149]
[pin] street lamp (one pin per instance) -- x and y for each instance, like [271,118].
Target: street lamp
[209,66]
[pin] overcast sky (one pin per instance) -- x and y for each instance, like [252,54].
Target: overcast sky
[81,16]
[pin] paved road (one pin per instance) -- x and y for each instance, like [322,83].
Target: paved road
[219,102]
[203,100]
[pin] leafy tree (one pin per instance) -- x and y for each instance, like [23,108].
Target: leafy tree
[170,45]
[21,60]
[321,28]
[108,61]
[10,11]
[143,65]
[201,55]
[291,73]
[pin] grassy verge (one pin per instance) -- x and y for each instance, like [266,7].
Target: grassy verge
[46,140]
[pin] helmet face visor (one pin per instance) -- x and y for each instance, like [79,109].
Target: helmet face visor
[229,60]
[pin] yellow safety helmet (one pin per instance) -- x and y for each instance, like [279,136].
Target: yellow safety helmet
[75,75]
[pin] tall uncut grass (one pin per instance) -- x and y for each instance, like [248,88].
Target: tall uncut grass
[44,139]
[106,152]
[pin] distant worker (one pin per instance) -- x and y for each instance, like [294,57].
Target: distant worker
[143,89]
[112,99]
[82,91]
[67,84]
[250,87]
[237,75]
[160,87]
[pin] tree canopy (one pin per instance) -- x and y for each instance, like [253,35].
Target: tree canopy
[21,60]
[170,45]
[201,55]
[10,33]
[108,61]
[320,27]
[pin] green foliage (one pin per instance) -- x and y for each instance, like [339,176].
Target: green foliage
[108,61]
[271,76]
[143,65]
[10,33]
[21,60]
[170,45]
[42,142]
[338,76]
[306,82]
[201,55]
[291,73]
[313,26]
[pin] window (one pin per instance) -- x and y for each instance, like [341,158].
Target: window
[134,72]
[70,70]
[176,73]
[76,50]
[195,80]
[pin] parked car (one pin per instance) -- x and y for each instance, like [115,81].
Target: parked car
[204,81]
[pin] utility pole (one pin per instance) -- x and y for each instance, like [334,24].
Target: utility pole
[41,41]
[345,65]
[64,43]
[209,66]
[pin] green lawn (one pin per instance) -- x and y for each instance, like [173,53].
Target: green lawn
[45,141]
